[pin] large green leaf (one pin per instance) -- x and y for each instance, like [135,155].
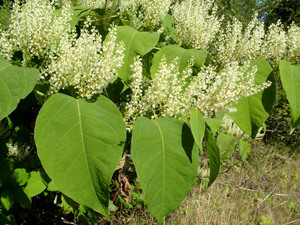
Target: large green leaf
[166,162]
[136,43]
[290,78]
[197,126]
[214,156]
[184,56]
[252,111]
[80,144]
[15,84]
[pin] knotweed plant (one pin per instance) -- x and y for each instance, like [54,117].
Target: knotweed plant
[85,83]
[174,94]
[196,22]
[144,13]
[34,29]
[85,62]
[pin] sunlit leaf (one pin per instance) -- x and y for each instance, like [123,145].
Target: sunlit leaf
[35,184]
[197,126]
[15,84]
[252,111]
[226,144]
[80,145]
[136,43]
[166,162]
[183,55]
[290,78]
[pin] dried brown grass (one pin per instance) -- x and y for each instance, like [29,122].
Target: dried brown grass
[264,190]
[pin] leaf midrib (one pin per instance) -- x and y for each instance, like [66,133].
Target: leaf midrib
[164,162]
[83,145]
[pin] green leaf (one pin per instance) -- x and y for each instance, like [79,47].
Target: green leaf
[184,56]
[166,162]
[227,144]
[136,43]
[67,204]
[20,176]
[214,156]
[252,111]
[245,149]
[197,126]
[290,78]
[80,145]
[6,199]
[77,13]
[15,84]
[215,123]
[52,187]
[35,184]
[111,206]
[169,25]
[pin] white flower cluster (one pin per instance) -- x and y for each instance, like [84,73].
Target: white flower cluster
[293,43]
[34,29]
[19,151]
[214,91]
[147,13]
[86,63]
[274,47]
[197,22]
[238,43]
[172,93]
[163,95]
[234,44]
[68,60]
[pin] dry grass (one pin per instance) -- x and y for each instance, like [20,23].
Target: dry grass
[264,190]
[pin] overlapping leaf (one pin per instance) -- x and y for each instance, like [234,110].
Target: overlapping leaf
[183,55]
[35,184]
[252,111]
[136,43]
[80,144]
[290,78]
[197,126]
[77,13]
[227,144]
[166,162]
[15,84]
[214,156]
